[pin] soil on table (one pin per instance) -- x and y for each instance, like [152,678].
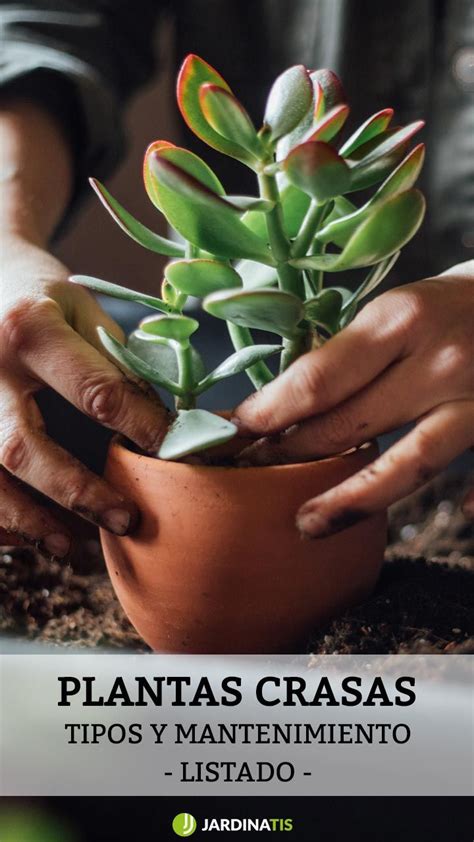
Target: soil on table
[423,603]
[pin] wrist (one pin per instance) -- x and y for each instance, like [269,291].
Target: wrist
[36,172]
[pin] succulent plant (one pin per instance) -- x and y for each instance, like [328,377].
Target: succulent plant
[265,261]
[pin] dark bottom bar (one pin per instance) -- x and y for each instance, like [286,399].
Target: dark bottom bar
[328,819]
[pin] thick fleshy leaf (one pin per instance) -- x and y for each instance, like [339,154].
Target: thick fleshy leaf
[194,430]
[194,73]
[329,125]
[250,203]
[341,207]
[200,277]
[401,179]
[178,328]
[255,275]
[392,224]
[332,91]
[238,362]
[161,355]
[201,216]
[136,365]
[317,169]
[289,100]
[182,158]
[229,118]
[372,127]
[294,203]
[373,279]
[373,161]
[136,230]
[386,143]
[265,309]
[324,309]
[116,291]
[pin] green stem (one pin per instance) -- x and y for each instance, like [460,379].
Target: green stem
[186,376]
[289,278]
[259,373]
[190,251]
[314,216]
[294,348]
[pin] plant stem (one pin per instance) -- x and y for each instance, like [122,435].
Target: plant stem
[314,216]
[259,373]
[289,278]
[292,349]
[186,376]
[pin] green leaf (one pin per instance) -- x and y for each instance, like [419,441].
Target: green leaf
[195,430]
[373,161]
[372,127]
[289,100]
[373,279]
[341,207]
[178,328]
[332,92]
[228,117]
[317,169]
[392,224]
[294,204]
[255,275]
[387,143]
[201,216]
[106,288]
[194,73]
[329,125]
[161,355]
[138,232]
[185,160]
[401,179]
[200,277]
[266,309]
[238,362]
[140,368]
[250,203]
[324,309]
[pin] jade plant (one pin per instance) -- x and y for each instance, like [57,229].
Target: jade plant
[270,261]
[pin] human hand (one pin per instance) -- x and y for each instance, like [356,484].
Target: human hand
[408,356]
[48,337]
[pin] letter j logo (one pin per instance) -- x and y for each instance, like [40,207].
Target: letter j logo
[184,824]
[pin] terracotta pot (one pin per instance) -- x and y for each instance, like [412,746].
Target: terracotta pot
[217,564]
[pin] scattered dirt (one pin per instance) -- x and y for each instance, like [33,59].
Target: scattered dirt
[424,601]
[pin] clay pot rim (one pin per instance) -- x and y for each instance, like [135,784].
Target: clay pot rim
[118,443]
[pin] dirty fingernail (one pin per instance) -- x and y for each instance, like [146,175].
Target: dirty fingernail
[312,523]
[117,520]
[57,544]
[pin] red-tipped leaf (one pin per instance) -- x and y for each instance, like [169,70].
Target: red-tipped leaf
[372,127]
[194,73]
[228,117]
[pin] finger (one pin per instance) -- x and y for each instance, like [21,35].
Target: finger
[23,521]
[437,439]
[322,378]
[60,358]
[87,320]
[28,453]
[382,406]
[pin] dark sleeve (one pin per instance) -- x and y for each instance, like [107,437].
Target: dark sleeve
[81,60]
